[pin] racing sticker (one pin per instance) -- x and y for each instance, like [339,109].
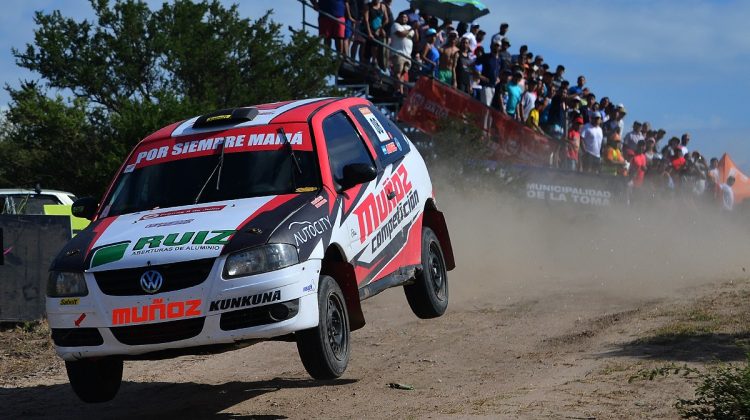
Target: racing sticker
[383,135]
[157,310]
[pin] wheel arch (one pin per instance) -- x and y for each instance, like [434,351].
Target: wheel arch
[334,264]
[435,220]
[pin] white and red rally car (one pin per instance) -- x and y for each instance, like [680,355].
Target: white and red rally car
[272,221]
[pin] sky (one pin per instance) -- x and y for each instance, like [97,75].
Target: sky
[682,65]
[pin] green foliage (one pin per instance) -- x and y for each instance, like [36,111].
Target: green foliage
[723,394]
[107,84]
[663,371]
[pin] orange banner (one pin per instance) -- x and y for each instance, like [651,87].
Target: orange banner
[741,185]
[431,101]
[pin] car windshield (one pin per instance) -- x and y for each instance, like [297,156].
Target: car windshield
[179,182]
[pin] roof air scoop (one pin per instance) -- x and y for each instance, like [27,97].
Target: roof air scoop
[231,116]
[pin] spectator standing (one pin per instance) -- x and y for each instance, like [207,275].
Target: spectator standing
[472,36]
[375,20]
[528,100]
[402,42]
[412,15]
[684,140]
[464,65]
[559,76]
[727,194]
[332,27]
[504,54]
[533,119]
[651,153]
[430,53]
[558,111]
[573,145]
[632,138]
[498,37]
[514,90]
[448,58]
[638,165]
[614,162]
[357,9]
[579,87]
[591,139]
[490,73]
[522,53]
[479,50]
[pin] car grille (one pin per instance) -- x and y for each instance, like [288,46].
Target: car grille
[163,332]
[253,317]
[77,337]
[176,276]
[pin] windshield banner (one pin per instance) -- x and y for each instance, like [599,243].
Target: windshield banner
[430,102]
[245,139]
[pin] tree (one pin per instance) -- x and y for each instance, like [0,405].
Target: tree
[134,70]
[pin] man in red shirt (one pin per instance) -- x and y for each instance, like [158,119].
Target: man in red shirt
[678,161]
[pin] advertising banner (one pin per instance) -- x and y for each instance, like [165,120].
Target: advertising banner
[430,101]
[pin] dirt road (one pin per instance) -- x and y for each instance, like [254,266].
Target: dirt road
[550,316]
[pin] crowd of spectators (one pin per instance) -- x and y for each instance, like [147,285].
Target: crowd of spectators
[589,132]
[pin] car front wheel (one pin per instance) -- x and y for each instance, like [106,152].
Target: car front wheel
[428,295]
[95,380]
[324,349]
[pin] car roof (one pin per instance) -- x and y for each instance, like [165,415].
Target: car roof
[8,191]
[273,113]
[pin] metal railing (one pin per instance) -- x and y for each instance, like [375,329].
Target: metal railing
[355,30]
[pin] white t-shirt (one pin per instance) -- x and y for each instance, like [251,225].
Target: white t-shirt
[728,196]
[591,139]
[403,45]
[527,102]
[632,138]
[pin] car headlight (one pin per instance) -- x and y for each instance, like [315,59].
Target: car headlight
[260,260]
[66,284]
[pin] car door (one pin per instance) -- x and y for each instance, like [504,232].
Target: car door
[364,207]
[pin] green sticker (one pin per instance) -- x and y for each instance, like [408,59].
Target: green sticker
[109,253]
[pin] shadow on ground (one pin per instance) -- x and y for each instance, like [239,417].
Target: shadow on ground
[687,348]
[151,400]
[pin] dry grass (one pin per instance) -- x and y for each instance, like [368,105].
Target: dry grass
[25,350]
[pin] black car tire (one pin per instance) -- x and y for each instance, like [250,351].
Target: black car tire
[325,349]
[428,295]
[95,380]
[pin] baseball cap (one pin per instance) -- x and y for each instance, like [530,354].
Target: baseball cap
[596,115]
[474,26]
[578,120]
[505,40]
[431,32]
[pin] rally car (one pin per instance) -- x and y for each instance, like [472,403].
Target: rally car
[247,224]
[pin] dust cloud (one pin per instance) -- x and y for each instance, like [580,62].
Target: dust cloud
[508,249]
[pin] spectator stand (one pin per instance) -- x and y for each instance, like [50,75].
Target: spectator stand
[363,80]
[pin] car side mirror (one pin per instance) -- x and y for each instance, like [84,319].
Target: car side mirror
[357,173]
[85,207]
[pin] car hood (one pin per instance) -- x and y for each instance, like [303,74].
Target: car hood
[176,234]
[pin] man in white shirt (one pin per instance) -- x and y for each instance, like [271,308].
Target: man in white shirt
[591,140]
[471,35]
[402,41]
[630,142]
[528,101]
[498,37]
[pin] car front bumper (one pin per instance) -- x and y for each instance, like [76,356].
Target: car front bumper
[217,311]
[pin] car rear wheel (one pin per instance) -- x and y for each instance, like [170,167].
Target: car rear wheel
[428,295]
[325,349]
[95,380]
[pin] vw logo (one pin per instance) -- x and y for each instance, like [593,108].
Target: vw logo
[151,281]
